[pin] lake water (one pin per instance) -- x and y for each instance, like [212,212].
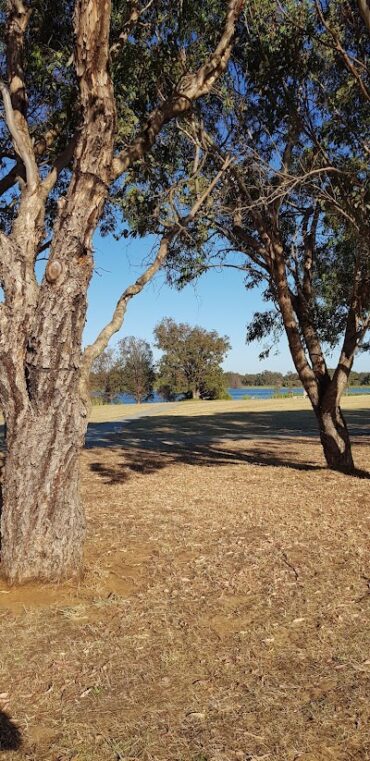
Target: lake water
[254,392]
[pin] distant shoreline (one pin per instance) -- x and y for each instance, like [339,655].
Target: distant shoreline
[290,388]
[242,392]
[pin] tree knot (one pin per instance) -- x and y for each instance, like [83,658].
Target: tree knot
[53,271]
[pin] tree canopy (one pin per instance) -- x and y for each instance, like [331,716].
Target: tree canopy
[191,360]
[136,368]
[127,369]
[105,377]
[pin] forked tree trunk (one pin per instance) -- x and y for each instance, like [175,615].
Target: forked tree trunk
[43,375]
[43,521]
[334,436]
[323,392]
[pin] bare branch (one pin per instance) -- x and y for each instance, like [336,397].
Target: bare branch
[93,351]
[93,146]
[60,163]
[15,99]
[43,247]
[102,340]
[358,323]
[129,25]
[17,22]
[191,87]
[20,142]
[10,179]
[248,245]
[280,279]
[309,242]
[40,148]
[200,201]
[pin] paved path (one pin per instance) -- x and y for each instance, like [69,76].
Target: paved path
[98,433]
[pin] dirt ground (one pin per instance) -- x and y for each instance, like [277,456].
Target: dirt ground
[223,615]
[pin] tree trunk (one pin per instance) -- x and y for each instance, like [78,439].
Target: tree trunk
[323,393]
[335,438]
[42,521]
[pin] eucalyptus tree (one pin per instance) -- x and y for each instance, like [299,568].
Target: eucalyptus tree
[89,89]
[129,368]
[105,377]
[135,364]
[292,212]
[191,360]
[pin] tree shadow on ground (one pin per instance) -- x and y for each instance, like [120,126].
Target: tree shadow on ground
[149,444]
[10,736]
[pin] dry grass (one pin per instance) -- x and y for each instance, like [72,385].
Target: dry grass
[223,612]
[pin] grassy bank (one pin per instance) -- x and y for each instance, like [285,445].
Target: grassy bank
[107,412]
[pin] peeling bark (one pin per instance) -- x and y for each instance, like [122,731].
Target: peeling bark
[334,437]
[43,369]
[42,518]
[43,523]
[324,393]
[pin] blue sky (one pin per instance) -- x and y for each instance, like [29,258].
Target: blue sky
[218,301]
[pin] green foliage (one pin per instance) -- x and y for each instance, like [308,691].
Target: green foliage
[191,360]
[225,396]
[170,40]
[136,368]
[233,380]
[265,378]
[282,394]
[292,106]
[105,378]
[127,369]
[359,379]
[212,385]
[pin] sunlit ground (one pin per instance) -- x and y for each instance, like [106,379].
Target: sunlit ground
[224,609]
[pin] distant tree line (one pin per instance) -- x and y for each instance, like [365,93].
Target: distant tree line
[127,369]
[190,366]
[287,380]
[359,379]
[265,378]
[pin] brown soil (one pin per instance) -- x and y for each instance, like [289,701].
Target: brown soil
[224,610]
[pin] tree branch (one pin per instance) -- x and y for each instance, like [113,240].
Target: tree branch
[129,26]
[92,147]
[309,242]
[10,179]
[61,162]
[255,250]
[340,49]
[358,322]
[191,87]
[92,352]
[15,99]
[20,142]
